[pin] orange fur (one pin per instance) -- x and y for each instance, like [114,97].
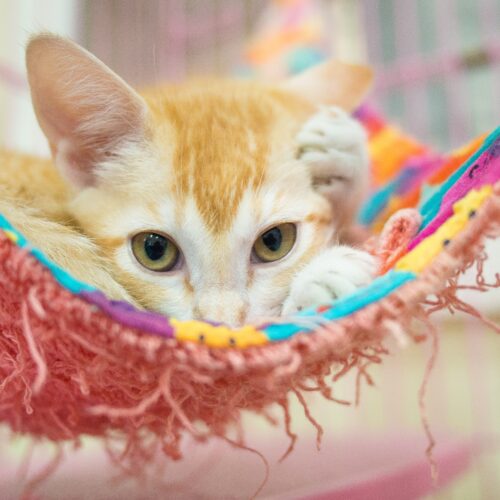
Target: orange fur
[211,164]
[224,136]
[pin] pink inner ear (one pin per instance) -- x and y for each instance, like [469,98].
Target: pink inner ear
[84,109]
[76,164]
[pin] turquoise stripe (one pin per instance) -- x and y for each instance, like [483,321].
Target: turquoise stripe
[378,201]
[60,275]
[431,208]
[376,290]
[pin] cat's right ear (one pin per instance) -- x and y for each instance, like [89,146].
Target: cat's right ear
[84,109]
[332,83]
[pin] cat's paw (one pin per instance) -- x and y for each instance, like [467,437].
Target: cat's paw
[334,273]
[334,143]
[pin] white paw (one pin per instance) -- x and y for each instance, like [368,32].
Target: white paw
[333,143]
[334,273]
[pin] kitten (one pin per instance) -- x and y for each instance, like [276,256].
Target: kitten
[222,200]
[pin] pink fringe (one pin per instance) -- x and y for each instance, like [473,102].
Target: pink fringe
[67,370]
[44,474]
[262,458]
[421,399]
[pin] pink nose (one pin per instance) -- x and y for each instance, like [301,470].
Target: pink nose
[225,306]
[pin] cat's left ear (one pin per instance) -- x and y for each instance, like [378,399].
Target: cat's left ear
[85,110]
[332,83]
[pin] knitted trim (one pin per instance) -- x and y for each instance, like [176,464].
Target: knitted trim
[68,369]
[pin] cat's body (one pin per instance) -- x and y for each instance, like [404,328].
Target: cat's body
[34,199]
[220,200]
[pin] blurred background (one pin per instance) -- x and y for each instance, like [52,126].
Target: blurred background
[438,76]
[437,62]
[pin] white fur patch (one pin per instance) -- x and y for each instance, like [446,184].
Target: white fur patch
[334,145]
[332,274]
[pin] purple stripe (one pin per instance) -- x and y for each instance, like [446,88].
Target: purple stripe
[417,170]
[129,316]
[484,171]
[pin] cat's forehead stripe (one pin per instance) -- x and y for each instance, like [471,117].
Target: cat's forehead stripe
[221,149]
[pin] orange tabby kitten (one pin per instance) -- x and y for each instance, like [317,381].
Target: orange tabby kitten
[220,200]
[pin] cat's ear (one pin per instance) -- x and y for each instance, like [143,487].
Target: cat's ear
[332,83]
[84,109]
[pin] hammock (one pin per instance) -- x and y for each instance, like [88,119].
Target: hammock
[74,363]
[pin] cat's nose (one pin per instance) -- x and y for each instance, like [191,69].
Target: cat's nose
[224,306]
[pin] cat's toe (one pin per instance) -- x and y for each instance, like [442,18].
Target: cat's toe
[309,295]
[333,140]
[356,266]
[315,293]
[331,128]
[337,273]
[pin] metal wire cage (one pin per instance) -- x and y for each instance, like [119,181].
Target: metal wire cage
[437,62]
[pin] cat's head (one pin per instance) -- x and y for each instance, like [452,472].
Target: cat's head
[194,191]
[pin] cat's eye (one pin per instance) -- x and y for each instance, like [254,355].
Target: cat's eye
[155,251]
[274,243]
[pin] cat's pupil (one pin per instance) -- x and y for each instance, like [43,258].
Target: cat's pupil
[155,246]
[272,239]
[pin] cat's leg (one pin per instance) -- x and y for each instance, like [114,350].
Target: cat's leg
[65,246]
[334,146]
[334,273]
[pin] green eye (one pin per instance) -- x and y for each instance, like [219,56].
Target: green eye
[155,251]
[275,243]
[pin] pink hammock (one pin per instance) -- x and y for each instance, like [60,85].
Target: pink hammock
[74,363]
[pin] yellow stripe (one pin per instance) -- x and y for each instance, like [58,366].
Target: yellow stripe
[217,336]
[425,252]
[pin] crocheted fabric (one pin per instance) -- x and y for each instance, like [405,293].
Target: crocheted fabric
[448,190]
[73,362]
